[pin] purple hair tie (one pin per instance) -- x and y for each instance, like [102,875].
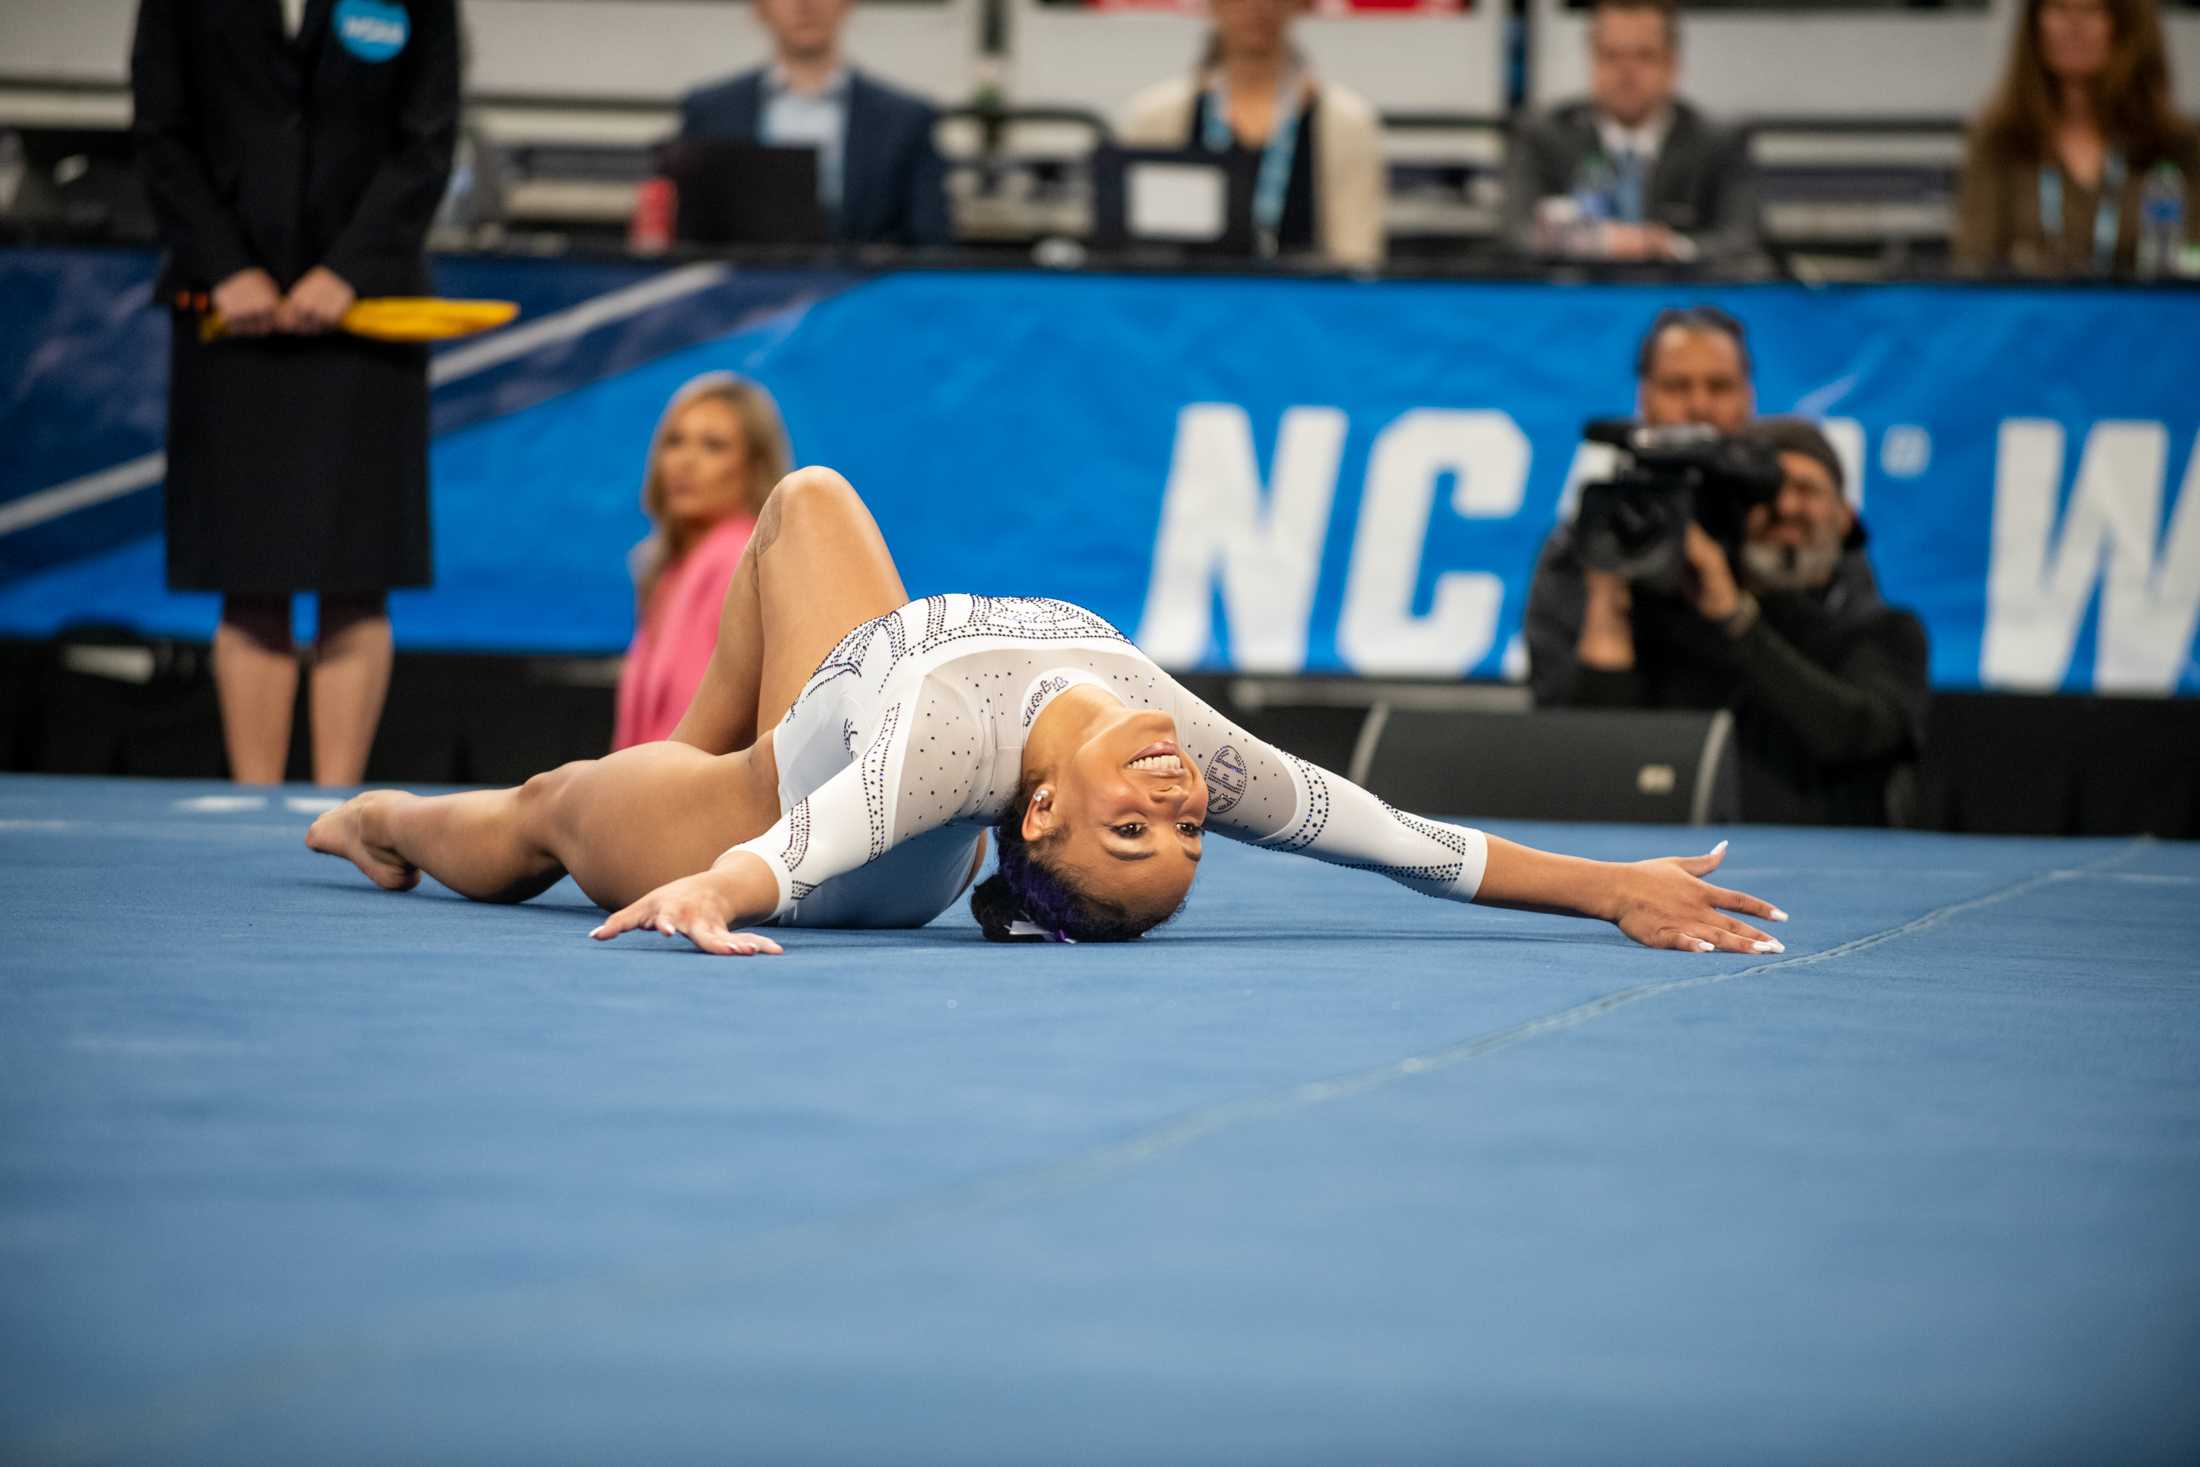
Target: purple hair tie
[1046,909]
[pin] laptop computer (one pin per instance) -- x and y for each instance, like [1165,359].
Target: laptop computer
[738,193]
[1175,199]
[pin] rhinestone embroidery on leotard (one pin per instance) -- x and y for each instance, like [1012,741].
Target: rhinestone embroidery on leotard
[846,658]
[1314,815]
[874,779]
[1451,840]
[798,837]
[1024,618]
[1047,687]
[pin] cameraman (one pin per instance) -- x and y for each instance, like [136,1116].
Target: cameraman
[1827,682]
[1692,368]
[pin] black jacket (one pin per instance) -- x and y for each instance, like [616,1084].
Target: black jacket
[1704,184]
[261,149]
[1828,688]
[893,188]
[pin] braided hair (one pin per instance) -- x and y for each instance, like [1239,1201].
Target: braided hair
[1028,900]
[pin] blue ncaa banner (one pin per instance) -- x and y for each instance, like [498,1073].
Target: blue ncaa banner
[1289,476]
[1335,477]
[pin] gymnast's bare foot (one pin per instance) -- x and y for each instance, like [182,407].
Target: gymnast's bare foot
[342,832]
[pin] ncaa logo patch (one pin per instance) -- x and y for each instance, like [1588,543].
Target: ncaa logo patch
[372,30]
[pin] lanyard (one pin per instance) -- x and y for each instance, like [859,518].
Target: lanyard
[2105,218]
[1274,180]
[1627,190]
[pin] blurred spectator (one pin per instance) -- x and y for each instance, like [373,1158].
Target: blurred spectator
[1633,172]
[879,175]
[1827,682]
[2059,159]
[1693,367]
[1320,179]
[718,450]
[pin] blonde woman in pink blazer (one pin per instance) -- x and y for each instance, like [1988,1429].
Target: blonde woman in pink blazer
[719,449]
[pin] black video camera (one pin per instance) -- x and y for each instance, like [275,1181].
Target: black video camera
[1633,523]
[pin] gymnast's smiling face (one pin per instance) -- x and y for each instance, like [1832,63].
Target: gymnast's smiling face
[1124,809]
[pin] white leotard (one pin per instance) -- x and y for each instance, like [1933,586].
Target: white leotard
[915,724]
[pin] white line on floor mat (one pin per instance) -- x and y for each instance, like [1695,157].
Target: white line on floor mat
[221,804]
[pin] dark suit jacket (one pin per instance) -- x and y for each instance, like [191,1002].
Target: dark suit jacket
[1704,185]
[260,149]
[892,182]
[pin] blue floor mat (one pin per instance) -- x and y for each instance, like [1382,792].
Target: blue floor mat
[295,1170]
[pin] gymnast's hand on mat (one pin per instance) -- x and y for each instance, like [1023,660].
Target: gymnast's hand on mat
[701,908]
[248,302]
[316,303]
[1667,903]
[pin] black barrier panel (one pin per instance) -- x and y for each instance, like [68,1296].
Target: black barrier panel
[1655,767]
[109,702]
[2002,765]
[105,701]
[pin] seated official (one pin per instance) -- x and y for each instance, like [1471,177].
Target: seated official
[2060,160]
[879,174]
[1320,175]
[1693,367]
[1827,682]
[1632,172]
[719,449]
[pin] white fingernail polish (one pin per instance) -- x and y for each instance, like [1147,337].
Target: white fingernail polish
[1767,946]
[1703,947]
[1778,915]
[1718,848]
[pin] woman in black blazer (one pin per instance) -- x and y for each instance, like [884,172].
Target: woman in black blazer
[295,151]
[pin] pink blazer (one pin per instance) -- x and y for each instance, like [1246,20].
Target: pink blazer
[672,646]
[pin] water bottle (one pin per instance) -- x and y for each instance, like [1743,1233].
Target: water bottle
[2161,221]
[656,208]
[1595,183]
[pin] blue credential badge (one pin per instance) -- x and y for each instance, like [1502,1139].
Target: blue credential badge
[371,30]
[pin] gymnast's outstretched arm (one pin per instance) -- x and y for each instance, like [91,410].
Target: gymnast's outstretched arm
[1659,903]
[1262,795]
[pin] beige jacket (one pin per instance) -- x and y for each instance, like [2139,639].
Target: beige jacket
[1348,147]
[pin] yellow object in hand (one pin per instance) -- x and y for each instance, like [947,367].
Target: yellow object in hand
[405,318]
[425,318]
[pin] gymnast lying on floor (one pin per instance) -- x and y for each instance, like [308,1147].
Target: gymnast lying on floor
[849,748]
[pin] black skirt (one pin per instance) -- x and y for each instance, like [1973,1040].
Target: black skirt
[296,464]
